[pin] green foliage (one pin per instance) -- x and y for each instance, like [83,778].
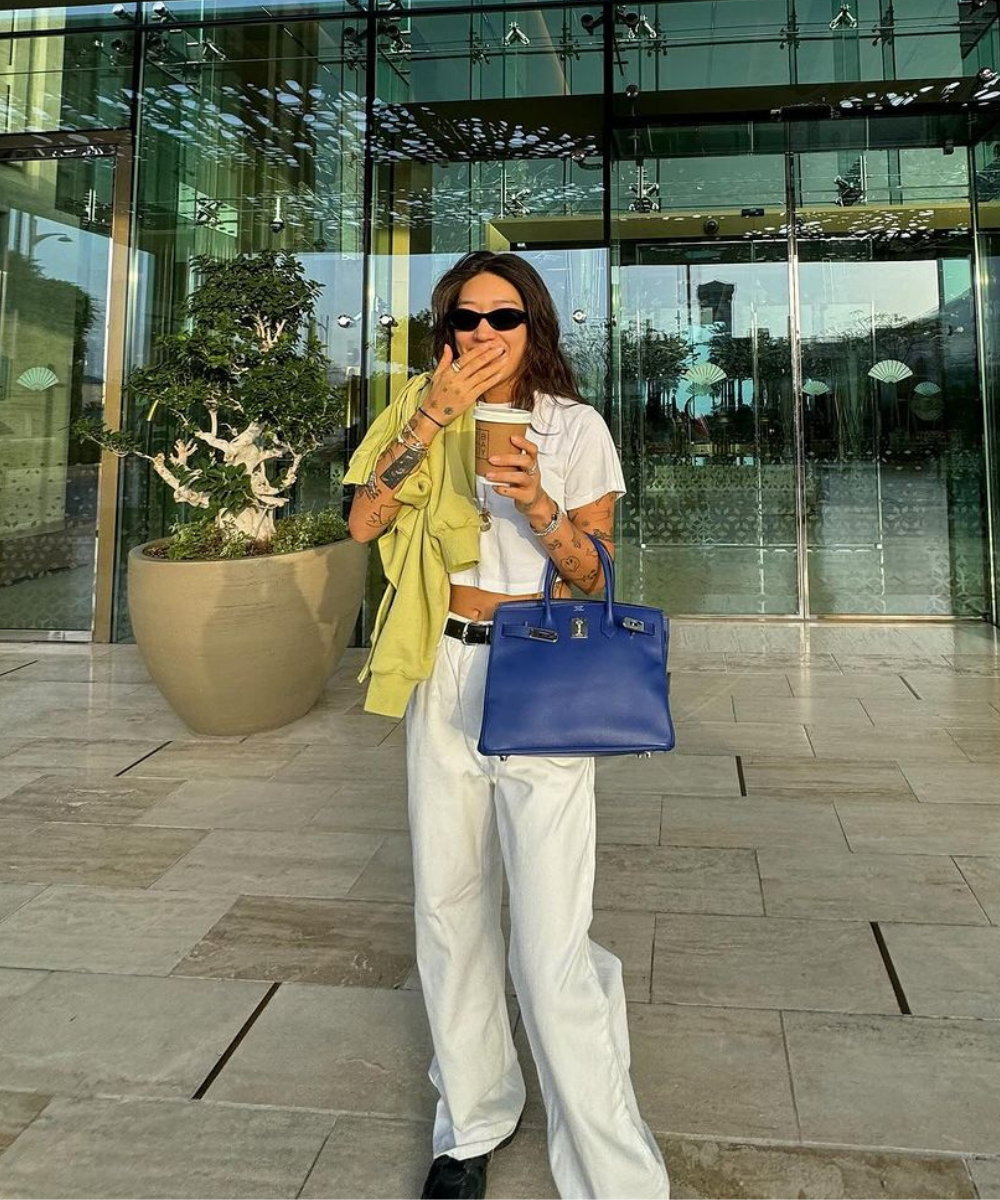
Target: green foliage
[247,383]
[89,429]
[307,529]
[204,539]
[227,484]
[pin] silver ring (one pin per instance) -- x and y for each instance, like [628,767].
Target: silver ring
[532,472]
[455,367]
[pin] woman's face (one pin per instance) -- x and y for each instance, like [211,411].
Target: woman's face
[483,293]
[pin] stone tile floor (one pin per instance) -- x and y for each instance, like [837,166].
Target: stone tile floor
[207,982]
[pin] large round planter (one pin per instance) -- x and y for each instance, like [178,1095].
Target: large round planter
[242,645]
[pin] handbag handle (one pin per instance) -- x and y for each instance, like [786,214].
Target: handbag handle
[608,564]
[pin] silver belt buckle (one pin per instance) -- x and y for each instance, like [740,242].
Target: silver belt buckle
[465,634]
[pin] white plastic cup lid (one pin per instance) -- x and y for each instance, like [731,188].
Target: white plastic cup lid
[502,414]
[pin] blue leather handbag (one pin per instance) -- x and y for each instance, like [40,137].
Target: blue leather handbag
[572,677]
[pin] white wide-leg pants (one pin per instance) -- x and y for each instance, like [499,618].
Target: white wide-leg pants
[467,813]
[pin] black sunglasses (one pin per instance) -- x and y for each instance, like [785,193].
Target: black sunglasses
[503,320]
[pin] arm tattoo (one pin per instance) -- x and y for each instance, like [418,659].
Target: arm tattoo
[383,515]
[371,487]
[401,467]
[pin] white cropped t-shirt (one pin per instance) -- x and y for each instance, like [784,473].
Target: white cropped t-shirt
[578,464]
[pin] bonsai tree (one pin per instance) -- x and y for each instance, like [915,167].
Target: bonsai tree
[246,384]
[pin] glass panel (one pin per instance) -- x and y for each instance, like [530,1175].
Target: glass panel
[255,142]
[467,159]
[80,81]
[704,376]
[55,226]
[986,161]
[892,407]
[712,44]
[68,16]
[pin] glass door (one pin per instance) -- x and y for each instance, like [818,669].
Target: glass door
[797,369]
[56,216]
[704,373]
[894,461]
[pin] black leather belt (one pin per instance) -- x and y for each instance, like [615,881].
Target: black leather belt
[468,632]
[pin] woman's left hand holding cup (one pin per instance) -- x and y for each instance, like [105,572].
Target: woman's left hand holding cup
[517,475]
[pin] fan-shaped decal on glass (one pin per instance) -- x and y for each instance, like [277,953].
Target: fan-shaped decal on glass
[37,379]
[927,388]
[890,370]
[815,387]
[704,375]
[927,407]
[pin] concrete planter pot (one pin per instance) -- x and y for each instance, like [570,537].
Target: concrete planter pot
[242,645]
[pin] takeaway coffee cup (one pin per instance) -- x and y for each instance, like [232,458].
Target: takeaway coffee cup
[496,424]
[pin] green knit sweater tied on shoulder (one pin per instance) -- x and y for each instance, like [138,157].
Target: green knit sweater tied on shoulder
[435,533]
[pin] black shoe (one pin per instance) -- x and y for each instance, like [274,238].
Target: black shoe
[461,1178]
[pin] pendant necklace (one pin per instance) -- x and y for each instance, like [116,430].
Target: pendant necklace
[485,517]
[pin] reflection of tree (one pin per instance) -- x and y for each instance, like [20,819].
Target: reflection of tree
[656,361]
[734,355]
[859,416]
[44,303]
[766,363]
[416,332]
[588,349]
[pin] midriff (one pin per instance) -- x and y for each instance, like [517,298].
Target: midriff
[477,605]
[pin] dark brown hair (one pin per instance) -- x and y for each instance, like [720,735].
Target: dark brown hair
[544,368]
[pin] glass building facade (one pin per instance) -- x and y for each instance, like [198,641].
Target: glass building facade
[771,227]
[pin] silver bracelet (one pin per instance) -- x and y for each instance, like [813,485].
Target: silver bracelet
[552,526]
[414,444]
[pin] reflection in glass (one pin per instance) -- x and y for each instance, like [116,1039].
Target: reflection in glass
[894,467]
[54,262]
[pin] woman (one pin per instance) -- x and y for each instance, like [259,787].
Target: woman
[496,340]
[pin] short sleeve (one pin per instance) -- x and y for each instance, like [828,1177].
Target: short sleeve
[593,467]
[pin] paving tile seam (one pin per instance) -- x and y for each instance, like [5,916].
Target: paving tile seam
[43,888]
[234,1044]
[903,1020]
[312,1165]
[968,884]
[118,774]
[728,1140]
[890,968]
[19,667]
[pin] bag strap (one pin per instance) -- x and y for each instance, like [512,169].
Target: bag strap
[608,564]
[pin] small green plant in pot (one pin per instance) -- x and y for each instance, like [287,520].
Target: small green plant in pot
[242,614]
